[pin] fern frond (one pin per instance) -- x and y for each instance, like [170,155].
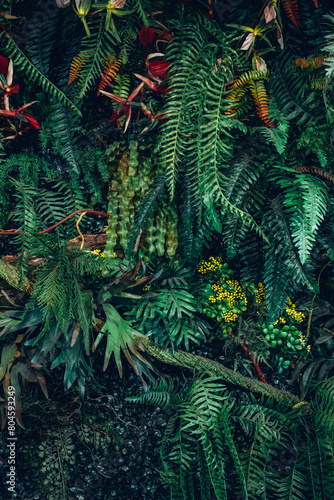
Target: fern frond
[164,392]
[248,77]
[329,46]
[142,7]
[316,170]
[278,283]
[111,67]
[122,86]
[87,66]
[77,63]
[233,99]
[291,9]
[323,404]
[283,269]
[294,485]
[189,45]
[35,75]
[290,90]
[260,97]
[278,135]
[306,198]
[146,211]
[41,40]
[64,124]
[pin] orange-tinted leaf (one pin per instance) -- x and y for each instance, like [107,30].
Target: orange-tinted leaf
[291,9]
[260,64]
[8,355]
[301,62]
[259,94]
[311,62]
[280,37]
[111,67]
[42,382]
[78,62]
[75,334]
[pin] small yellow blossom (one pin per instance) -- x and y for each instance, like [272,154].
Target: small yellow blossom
[260,293]
[292,311]
[99,252]
[212,264]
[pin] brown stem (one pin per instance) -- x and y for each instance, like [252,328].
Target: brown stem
[249,354]
[12,232]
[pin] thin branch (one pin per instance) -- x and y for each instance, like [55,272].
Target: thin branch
[78,229]
[13,232]
[249,354]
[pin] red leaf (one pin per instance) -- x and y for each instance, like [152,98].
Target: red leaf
[158,68]
[32,121]
[5,112]
[4,62]
[14,90]
[148,82]
[117,115]
[146,36]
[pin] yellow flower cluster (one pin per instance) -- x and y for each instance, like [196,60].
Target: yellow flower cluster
[303,342]
[212,264]
[280,320]
[292,311]
[99,252]
[260,293]
[231,297]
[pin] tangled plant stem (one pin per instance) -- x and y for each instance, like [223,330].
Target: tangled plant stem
[12,232]
[249,354]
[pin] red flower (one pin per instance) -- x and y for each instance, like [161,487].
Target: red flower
[152,119]
[21,115]
[6,79]
[158,68]
[4,62]
[158,88]
[146,36]
[125,105]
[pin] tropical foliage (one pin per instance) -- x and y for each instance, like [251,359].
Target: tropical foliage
[167,182]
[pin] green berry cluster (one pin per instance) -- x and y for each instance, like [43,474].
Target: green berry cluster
[287,339]
[224,302]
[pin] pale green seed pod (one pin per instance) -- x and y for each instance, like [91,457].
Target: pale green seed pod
[172,234]
[124,214]
[136,184]
[111,229]
[134,155]
[160,233]
[151,237]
